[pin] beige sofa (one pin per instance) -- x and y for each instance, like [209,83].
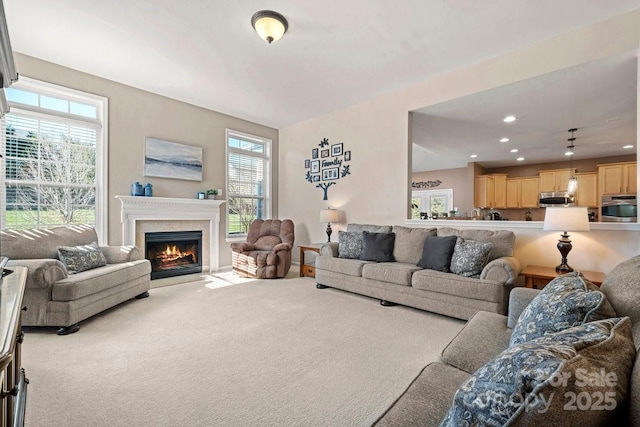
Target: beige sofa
[53,297]
[403,282]
[427,399]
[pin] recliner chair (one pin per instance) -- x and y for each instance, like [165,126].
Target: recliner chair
[266,254]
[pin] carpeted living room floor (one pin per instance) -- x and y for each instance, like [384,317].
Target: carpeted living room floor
[213,353]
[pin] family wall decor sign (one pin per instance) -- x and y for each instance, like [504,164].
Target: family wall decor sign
[328,163]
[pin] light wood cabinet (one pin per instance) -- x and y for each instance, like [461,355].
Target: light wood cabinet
[554,180]
[587,193]
[618,178]
[522,192]
[490,191]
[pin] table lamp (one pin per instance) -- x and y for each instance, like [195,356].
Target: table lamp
[329,216]
[565,219]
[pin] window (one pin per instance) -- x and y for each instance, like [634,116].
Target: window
[54,149]
[431,203]
[248,183]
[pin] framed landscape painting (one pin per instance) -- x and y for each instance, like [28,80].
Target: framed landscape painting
[166,159]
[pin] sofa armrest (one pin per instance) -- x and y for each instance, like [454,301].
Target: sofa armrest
[241,247]
[519,299]
[504,270]
[120,254]
[329,249]
[41,273]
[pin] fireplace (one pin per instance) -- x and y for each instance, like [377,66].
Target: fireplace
[174,253]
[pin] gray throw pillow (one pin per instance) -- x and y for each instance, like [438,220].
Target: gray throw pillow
[349,244]
[437,252]
[469,257]
[568,300]
[81,258]
[377,246]
[579,376]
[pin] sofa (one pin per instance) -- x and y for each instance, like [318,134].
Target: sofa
[402,281]
[609,391]
[266,253]
[70,277]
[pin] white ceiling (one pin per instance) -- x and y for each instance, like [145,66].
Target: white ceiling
[598,98]
[336,53]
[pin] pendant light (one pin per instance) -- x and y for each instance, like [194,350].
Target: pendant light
[572,185]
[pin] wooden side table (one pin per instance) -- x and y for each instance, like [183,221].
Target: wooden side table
[308,270]
[531,273]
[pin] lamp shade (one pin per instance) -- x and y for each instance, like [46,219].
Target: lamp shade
[269,25]
[566,219]
[329,215]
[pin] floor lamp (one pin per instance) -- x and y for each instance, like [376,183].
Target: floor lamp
[565,219]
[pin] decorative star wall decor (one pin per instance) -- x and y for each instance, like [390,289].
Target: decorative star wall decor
[327,165]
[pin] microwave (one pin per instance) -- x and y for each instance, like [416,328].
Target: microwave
[548,200]
[619,208]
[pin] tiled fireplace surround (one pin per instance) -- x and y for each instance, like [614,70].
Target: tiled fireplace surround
[140,215]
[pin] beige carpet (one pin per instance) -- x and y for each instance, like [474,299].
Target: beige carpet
[259,353]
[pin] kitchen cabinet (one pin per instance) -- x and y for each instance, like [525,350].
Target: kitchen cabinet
[618,178]
[522,192]
[554,180]
[587,192]
[490,191]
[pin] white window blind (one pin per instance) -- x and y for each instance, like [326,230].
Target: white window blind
[53,149]
[247,181]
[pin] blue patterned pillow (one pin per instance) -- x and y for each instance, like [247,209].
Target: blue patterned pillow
[469,257]
[81,258]
[567,301]
[579,375]
[349,244]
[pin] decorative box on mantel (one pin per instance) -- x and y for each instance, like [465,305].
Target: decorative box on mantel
[136,209]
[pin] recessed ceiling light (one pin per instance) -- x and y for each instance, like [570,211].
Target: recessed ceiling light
[520,159]
[504,140]
[568,153]
[473,156]
[509,119]
[514,150]
[628,146]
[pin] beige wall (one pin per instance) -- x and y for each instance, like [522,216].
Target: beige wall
[135,114]
[456,179]
[377,132]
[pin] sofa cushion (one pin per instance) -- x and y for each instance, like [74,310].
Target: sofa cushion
[578,376]
[469,257]
[437,252]
[502,240]
[81,258]
[391,272]
[409,243]
[350,244]
[377,247]
[98,279]
[43,242]
[567,301]
[370,228]
[350,267]
[453,284]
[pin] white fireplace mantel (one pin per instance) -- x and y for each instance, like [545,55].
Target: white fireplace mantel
[167,209]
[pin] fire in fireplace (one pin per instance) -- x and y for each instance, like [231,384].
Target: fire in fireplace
[174,253]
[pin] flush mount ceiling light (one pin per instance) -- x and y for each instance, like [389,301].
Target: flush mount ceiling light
[269,25]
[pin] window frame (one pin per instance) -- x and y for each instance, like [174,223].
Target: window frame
[100,123]
[425,197]
[267,178]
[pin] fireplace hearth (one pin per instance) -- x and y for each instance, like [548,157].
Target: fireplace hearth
[174,253]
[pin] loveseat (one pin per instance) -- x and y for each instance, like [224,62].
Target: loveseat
[87,280]
[597,381]
[402,281]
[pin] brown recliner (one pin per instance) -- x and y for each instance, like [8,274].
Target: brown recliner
[267,252]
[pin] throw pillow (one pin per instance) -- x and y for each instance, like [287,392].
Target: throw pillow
[81,258]
[349,244]
[579,376]
[377,246]
[567,301]
[437,253]
[469,257]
